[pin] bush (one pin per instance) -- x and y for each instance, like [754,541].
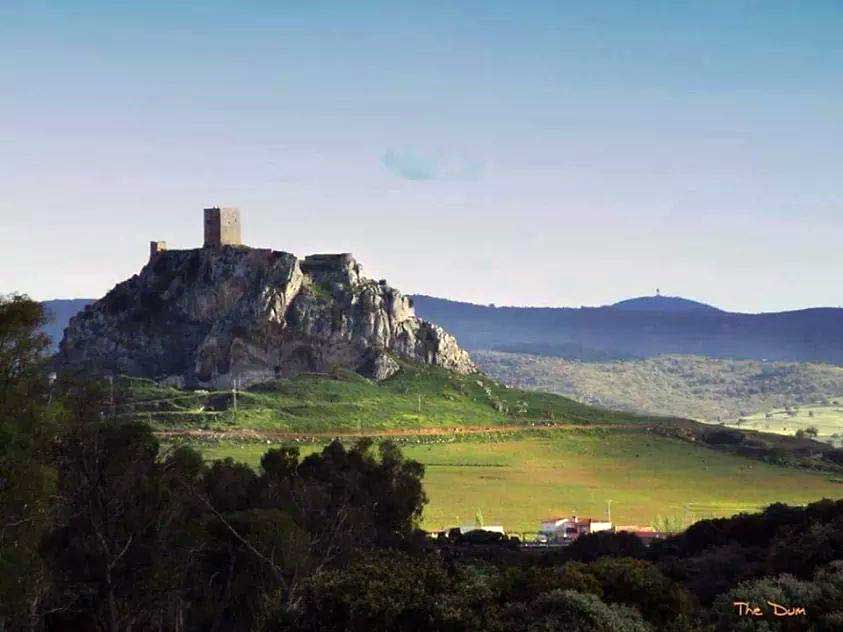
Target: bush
[574,612]
[723,437]
[588,548]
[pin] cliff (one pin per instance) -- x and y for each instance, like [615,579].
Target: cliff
[207,316]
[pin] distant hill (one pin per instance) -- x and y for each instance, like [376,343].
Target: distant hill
[667,304]
[684,386]
[642,328]
[60,311]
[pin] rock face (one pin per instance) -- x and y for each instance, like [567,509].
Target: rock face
[207,316]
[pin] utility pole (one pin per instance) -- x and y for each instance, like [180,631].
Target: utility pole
[419,403]
[234,384]
[609,504]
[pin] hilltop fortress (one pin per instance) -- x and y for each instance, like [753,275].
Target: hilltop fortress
[222,228]
[207,316]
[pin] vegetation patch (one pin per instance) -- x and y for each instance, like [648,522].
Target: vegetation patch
[417,397]
[695,387]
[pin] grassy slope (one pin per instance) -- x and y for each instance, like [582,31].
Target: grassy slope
[417,397]
[515,477]
[518,482]
[684,386]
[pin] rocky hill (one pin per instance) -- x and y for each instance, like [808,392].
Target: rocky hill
[206,317]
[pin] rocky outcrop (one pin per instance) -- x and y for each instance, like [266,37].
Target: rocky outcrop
[204,317]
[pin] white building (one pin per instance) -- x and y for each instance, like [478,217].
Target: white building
[570,528]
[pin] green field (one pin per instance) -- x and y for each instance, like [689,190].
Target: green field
[517,456]
[826,418]
[518,482]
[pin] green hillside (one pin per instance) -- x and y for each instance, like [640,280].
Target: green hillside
[695,387]
[515,455]
[417,397]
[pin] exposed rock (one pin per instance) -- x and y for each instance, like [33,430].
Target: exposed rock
[206,316]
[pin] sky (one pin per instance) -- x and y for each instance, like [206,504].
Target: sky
[517,153]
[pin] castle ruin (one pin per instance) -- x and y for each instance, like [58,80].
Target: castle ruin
[222,227]
[155,247]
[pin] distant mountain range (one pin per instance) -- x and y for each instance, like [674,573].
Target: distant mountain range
[641,328]
[635,328]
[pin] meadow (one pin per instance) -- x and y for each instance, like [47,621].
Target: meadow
[827,419]
[516,456]
[518,481]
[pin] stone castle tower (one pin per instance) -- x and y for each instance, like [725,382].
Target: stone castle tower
[155,247]
[222,227]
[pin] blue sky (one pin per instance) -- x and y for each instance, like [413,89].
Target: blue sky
[544,153]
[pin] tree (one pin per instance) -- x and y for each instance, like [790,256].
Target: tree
[801,550]
[118,552]
[354,499]
[590,547]
[574,611]
[784,590]
[23,381]
[378,591]
[27,479]
[641,584]
[523,583]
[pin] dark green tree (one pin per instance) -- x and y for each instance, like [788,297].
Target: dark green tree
[27,478]
[574,611]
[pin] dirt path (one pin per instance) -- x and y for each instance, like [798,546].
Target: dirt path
[247,434]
